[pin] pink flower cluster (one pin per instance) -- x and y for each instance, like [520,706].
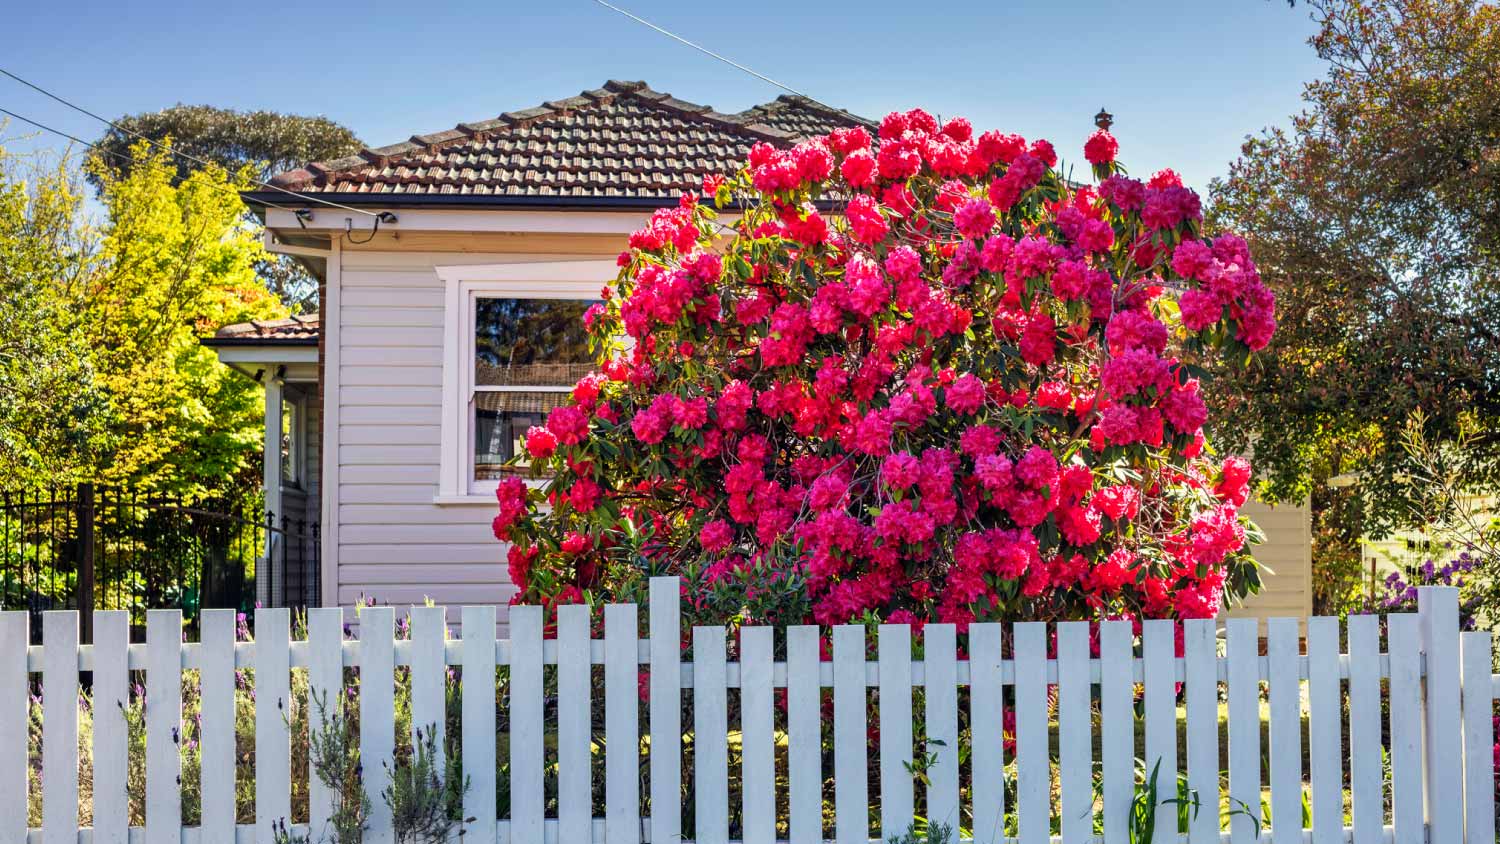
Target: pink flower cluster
[951,394]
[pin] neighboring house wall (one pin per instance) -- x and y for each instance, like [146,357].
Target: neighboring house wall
[393,542]
[1287,552]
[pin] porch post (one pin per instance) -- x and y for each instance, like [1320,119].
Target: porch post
[271,484]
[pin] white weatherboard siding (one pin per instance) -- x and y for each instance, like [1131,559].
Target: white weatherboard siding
[394,543]
[1288,553]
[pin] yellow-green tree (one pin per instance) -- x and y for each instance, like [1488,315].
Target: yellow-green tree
[52,407]
[118,389]
[176,260]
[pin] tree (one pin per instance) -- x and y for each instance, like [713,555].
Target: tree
[958,398]
[1376,219]
[176,259]
[266,142]
[102,376]
[50,398]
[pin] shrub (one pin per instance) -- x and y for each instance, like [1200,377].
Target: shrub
[919,378]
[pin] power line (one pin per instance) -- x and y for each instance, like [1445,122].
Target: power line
[119,155]
[117,127]
[725,59]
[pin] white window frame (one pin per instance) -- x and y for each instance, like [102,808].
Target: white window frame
[568,280]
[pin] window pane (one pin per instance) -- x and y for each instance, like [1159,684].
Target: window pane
[530,342]
[289,412]
[500,423]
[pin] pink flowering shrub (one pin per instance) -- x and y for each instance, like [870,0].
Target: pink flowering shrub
[919,378]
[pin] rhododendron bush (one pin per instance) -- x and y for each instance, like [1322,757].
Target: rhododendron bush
[919,377]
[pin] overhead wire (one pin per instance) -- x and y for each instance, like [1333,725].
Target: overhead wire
[118,155]
[702,49]
[165,148]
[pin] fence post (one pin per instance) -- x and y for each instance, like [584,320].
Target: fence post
[1442,747]
[85,504]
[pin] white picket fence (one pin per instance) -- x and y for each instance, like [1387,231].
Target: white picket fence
[1438,684]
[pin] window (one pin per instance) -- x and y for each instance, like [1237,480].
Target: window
[513,347]
[291,439]
[528,353]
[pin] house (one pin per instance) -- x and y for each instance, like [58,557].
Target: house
[454,251]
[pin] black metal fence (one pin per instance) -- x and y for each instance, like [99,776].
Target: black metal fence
[118,548]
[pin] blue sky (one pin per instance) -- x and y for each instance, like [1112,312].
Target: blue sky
[1186,81]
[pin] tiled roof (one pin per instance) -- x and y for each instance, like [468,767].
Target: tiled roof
[622,140]
[802,116]
[301,330]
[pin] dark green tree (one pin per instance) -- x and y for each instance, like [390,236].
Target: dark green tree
[1375,217]
[266,141]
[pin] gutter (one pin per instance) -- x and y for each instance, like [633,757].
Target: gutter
[260,200]
[267,342]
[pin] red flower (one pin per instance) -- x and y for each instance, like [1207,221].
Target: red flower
[1101,147]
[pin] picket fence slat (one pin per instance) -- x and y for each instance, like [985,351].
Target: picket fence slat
[895,729]
[216,680]
[1157,646]
[377,715]
[1242,650]
[710,736]
[111,694]
[758,749]
[1442,745]
[1366,777]
[60,728]
[575,812]
[273,796]
[1117,727]
[851,793]
[622,737]
[325,689]
[804,736]
[1202,689]
[525,724]
[1479,738]
[1074,733]
[940,643]
[1325,734]
[1033,772]
[477,702]
[988,742]
[1282,649]
[429,672]
[15,636]
[1075,751]
[666,708]
[163,722]
[1403,638]
[1434,673]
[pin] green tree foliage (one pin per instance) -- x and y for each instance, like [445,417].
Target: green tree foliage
[1375,216]
[176,260]
[104,377]
[51,400]
[266,142]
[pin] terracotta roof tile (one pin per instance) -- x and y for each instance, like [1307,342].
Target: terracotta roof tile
[296,330]
[623,139]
